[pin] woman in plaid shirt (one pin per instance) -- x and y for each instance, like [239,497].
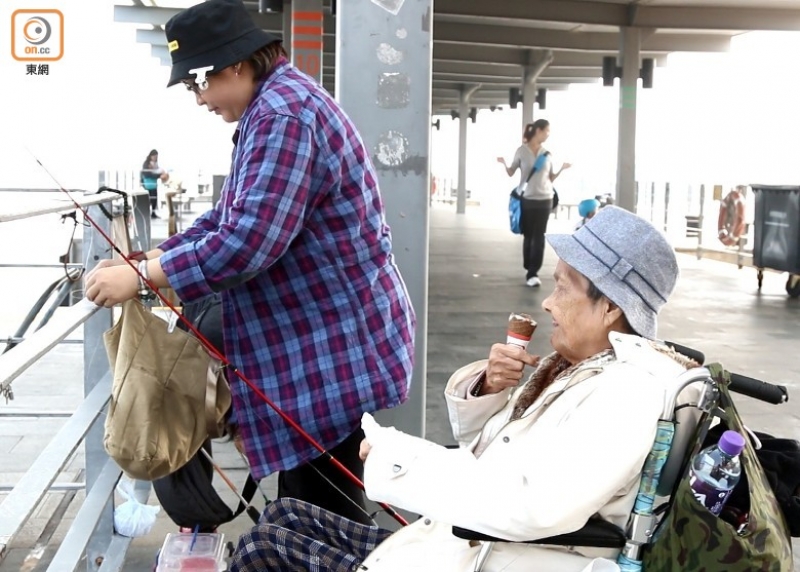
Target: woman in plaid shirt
[315,310]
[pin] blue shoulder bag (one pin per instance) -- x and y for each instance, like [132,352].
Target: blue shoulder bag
[515,199]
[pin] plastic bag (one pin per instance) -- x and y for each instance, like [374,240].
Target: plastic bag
[133,518]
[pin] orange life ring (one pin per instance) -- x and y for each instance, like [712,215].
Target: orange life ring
[730,224]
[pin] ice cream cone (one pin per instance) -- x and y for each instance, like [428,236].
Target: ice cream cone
[520,330]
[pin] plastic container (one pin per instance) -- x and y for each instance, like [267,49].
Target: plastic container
[178,554]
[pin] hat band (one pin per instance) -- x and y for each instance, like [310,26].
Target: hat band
[618,266]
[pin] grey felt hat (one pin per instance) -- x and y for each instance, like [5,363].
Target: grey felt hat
[627,259]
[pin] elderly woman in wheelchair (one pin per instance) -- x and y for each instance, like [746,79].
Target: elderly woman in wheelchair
[536,463]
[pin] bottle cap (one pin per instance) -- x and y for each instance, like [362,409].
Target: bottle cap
[731,443]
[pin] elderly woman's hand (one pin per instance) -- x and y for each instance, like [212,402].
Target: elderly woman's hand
[364,449]
[505,368]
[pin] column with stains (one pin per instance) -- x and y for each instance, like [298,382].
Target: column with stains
[383,80]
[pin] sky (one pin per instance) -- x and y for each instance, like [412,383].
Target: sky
[103,105]
[710,118]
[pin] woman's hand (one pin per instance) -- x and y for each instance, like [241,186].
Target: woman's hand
[502,161]
[111,283]
[506,365]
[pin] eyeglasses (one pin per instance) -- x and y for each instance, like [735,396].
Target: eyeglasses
[190,85]
[196,87]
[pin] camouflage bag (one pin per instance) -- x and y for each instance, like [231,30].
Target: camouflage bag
[690,538]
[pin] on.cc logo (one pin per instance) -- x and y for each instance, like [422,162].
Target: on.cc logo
[37,35]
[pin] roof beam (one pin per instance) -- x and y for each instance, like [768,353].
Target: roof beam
[505,56]
[159,38]
[159,16]
[568,11]
[160,52]
[617,14]
[511,81]
[586,41]
[457,85]
[490,92]
[718,18]
[144,15]
[488,70]
[444,107]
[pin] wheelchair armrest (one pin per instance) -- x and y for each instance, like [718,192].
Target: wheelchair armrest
[597,533]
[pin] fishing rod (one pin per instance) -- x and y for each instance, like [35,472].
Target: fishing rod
[216,353]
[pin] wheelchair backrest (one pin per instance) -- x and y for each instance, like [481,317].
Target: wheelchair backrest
[687,418]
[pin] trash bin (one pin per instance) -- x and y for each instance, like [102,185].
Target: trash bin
[777,228]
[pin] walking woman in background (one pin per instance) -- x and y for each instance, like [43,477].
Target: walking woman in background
[149,177]
[536,190]
[314,311]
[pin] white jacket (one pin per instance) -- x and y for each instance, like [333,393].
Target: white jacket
[577,451]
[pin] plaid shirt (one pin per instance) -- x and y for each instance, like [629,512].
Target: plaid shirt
[315,312]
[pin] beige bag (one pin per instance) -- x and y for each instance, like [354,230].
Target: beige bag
[169,395]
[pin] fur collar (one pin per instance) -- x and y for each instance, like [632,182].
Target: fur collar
[554,366]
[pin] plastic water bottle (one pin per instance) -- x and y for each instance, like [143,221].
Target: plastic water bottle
[716,470]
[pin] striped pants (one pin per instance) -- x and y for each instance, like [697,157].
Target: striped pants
[297,536]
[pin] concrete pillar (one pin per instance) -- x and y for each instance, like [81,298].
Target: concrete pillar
[306,37]
[383,81]
[463,116]
[528,97]
[626,150]
[463,127]
[537,62]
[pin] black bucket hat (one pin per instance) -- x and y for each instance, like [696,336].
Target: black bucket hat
[212,36]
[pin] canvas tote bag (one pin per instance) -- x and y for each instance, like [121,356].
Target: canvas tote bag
[168,395]
[691,538]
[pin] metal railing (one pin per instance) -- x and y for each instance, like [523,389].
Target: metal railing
[687,213]
[91,535]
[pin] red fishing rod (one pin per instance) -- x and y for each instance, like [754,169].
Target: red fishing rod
[217,354]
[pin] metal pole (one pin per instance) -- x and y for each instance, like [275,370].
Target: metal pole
[626,150]
[95,366]
[700,222]
[463,112]
[538,60]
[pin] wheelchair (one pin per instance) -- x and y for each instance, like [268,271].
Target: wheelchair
[665,466]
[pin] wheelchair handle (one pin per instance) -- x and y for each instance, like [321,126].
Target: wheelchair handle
[751,387]
[757,389]
[691,353]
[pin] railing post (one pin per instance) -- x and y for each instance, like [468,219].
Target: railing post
[141,212]
[95,366]
[700,222]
